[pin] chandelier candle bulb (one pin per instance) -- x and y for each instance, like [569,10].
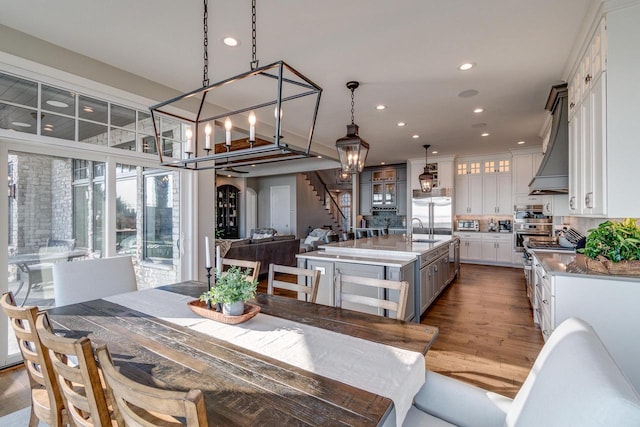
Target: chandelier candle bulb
[252,126]
[207,258]
[227,126]
[207,140]
[189,148]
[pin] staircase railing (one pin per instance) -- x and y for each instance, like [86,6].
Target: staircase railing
[317,182]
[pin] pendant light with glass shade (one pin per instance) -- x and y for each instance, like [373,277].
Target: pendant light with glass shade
[426,178]
[352,150]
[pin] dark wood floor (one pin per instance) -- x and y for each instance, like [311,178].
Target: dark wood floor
[487,336]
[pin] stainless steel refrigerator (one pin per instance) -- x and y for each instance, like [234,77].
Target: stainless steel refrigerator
[433,211]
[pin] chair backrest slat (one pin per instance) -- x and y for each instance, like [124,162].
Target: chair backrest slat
[243,264]
[36,360]
[400,286]
[78,375]
[138,404]
[311,279]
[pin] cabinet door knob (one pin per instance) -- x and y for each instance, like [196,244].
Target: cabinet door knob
[573,104]
[545,332]
[587,79]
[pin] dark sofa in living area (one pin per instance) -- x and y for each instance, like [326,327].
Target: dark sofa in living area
[268,250]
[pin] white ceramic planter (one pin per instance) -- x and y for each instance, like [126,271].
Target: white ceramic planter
[234,309]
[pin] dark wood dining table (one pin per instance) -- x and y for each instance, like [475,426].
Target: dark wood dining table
[242,387]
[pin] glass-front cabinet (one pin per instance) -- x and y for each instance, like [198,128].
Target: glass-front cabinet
[384,194]
[227,212]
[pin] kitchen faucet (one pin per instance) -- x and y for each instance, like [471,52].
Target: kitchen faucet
[419,222]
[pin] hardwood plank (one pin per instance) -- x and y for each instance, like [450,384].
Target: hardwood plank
[487,335]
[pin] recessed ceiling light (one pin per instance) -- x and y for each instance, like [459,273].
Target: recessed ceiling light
[468,93]
[57,104]
[87,109]
[485,134]
[21,124]
[319,157]
[230,41]
[466,66]
[381,107]
[521,142]
[228,176]
[253,166]
[401,124]
[478,110]
[434,152]
[415,136]
[382,163]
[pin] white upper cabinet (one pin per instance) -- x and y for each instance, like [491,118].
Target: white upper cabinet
[496,186]
[525,167]
[603,119]
[468,188]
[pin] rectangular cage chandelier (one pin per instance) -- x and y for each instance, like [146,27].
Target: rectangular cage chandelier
[249,130]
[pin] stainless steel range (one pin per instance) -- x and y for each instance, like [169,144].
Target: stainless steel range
[530,221]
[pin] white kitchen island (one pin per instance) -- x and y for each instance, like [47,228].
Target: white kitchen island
[427,264]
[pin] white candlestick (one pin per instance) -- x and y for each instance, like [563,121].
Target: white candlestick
[207,258]
[218,259]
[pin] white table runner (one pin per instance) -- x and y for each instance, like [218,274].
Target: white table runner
[384,370]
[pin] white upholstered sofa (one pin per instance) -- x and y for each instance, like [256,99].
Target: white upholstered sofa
[573,382]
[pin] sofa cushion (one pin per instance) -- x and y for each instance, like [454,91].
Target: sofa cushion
[262,233]
[260,239]
[575,382]
[310,239]
[283,237]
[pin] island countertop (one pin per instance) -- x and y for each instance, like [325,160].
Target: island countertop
[390,245]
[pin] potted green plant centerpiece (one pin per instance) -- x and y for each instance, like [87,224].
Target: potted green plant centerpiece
[614,247]
[232,289]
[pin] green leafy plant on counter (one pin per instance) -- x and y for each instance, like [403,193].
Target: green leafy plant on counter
[616,241]
[232,286]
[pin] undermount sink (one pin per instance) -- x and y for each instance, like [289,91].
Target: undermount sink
[425,240]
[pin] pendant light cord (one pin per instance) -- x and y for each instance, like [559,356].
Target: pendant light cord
[205,43]
[254,61]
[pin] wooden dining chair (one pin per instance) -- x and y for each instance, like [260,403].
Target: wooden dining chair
[254,266]
[140,405]
[86,280]
[310,277]
[78,376]
[46,400]
[342,296]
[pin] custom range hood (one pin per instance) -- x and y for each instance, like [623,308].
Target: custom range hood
[553,175]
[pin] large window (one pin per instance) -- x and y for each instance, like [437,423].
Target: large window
[127,209]
[67,115]
[158,216]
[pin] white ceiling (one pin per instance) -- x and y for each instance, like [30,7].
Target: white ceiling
[405,53]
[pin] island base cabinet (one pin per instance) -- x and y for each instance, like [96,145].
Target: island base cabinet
[372,271]
[326,294]
[405,273]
